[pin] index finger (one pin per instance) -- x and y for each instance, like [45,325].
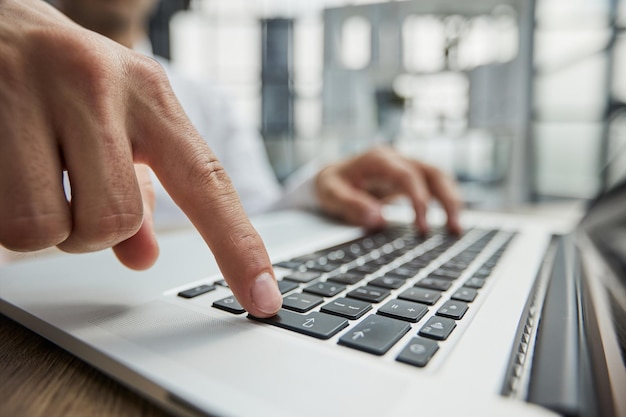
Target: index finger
[444,190]
[197,182]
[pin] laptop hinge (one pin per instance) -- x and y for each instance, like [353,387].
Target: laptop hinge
[554,379]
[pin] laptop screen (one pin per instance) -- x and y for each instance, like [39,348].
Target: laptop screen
[605,226]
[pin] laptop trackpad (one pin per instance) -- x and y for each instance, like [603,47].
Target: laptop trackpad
[223,350]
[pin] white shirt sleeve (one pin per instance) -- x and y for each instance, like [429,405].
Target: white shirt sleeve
[241,151]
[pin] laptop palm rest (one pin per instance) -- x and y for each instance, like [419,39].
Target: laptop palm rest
[186,336]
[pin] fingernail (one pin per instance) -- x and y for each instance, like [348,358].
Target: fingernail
[265,294]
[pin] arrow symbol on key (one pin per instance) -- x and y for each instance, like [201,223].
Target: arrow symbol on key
[357,335]
[308,322]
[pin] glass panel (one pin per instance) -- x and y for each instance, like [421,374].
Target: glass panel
[424,43]
[356,43]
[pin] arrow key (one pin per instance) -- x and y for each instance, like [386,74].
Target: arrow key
[376,334]
[453,309]
[438,328]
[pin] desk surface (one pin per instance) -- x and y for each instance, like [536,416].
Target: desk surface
[37,378]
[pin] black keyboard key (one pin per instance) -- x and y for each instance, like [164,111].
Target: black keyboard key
[426,258]
[324,267]
[303,276]
[338,255]
[492,262]
[388,249]
[383,260]
[308,257]
[325,289]
[319,325]
[229,304]
[438,328]
[418,352]
[455,265]
[388,282]
[301,302]
[421,295]
[483,272]
[376,334]
[346,307]
[443,273]
[466,257]
[418,263]
[403,310]
[475,283]
[355,249]
[368,268]
[348,278]
[369,294]
[196,291]
[286,286]
[453,309]
[368,243]
[403,272]
[465,294]
[289,264]
[412,240]
[434,284]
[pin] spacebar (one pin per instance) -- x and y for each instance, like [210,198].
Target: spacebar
[316,324]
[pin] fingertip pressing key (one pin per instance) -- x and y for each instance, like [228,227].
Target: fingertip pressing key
[266,295]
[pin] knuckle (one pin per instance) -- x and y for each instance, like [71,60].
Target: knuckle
[152,93]
[149,69]
[90,69]
[114,224]
[388,152]
[208,171]
[246,240]
[436,173]
[116,227]
[121,220]
[331,192]
[152,77]
[384,153]
[34,231]
[338,199]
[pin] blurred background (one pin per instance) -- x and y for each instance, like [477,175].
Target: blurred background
[521,100]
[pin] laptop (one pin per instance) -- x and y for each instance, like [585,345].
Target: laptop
[522,315]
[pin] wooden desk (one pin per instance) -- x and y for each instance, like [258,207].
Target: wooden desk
[37,378]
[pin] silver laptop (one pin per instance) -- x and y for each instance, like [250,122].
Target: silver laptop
[517,317]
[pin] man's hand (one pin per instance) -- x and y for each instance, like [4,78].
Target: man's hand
[73,100]
[355,189]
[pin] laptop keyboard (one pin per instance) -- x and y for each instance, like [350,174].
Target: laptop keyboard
[372,291]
